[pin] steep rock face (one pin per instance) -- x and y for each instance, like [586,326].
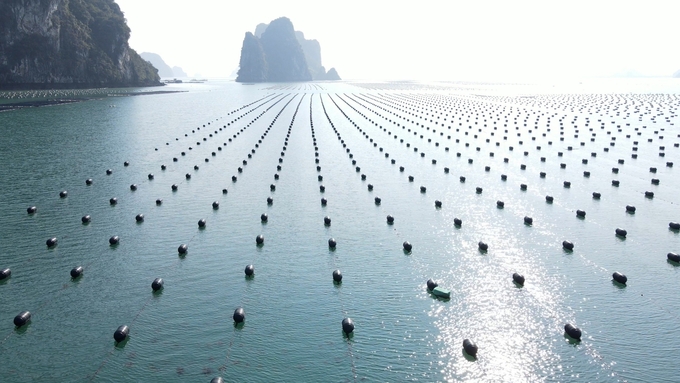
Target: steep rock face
[179,72]
[253,65]
[68,43]
[312,52]
[285,59]
[164,69]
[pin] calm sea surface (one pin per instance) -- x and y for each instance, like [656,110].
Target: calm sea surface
[292,331]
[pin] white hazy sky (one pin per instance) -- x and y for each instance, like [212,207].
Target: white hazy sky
[426,39]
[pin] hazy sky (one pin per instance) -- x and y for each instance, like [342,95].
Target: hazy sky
[424,40]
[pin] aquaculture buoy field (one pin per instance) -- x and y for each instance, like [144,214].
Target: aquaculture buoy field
[343,232]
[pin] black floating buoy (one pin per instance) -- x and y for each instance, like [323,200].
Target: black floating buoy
[225,191]
[23,318]
[483,246]
[113,201]
[121,333]
[264,217]
[126,163]
[63,194]
[163,167]
[86,219]
[528,220]
[250,270]
[596,195]
[431,284]
[567,245]
[5,273]
[649,194]
[109,172]
[390,219]
[201,223]
[324,202]
[621,232]
[620,278]
[580,213]
[182,249]
[239,315]
[458,222]
[674,257]
[174,187]
[500,204]
[133,187]
[272,187]
[347,325]
[470,348]
[217,379]
[572,331]
[337,276]
[139,217]
[437,203]
[518,278]
[407,246]
[157,284]
[674,225]
[630,209]
[423,189]
[370,187]
[150,176]
[215,205]
[332,243]
[549,199]
[31,210]
[187,176]
[478,190]
[270,200]
[159,202]
[52,242]
[327,221]
[76,272]
[259,239]
[114,240]
[88,181]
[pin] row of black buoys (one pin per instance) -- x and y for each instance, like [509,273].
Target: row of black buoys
[182,249]
[5,273]
[259,239]
[347,325]
[22,318]
[114,240]
[51,242]
[121,333]
[337,276]
[76,272]
[239,315]
[250,270]
[470,348]
[620,278]
[157,284]
[572,331]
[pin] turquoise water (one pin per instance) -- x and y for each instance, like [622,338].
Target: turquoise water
[292,330]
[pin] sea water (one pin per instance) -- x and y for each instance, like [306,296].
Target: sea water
[292,330]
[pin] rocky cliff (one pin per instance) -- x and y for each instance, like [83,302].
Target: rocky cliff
[281,34]
[164,69]
[68,43]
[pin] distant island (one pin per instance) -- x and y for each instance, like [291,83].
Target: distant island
[55,44]
[164,69]
[278,53]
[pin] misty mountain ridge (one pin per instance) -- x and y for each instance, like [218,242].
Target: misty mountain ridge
[276,52]
[164,70]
